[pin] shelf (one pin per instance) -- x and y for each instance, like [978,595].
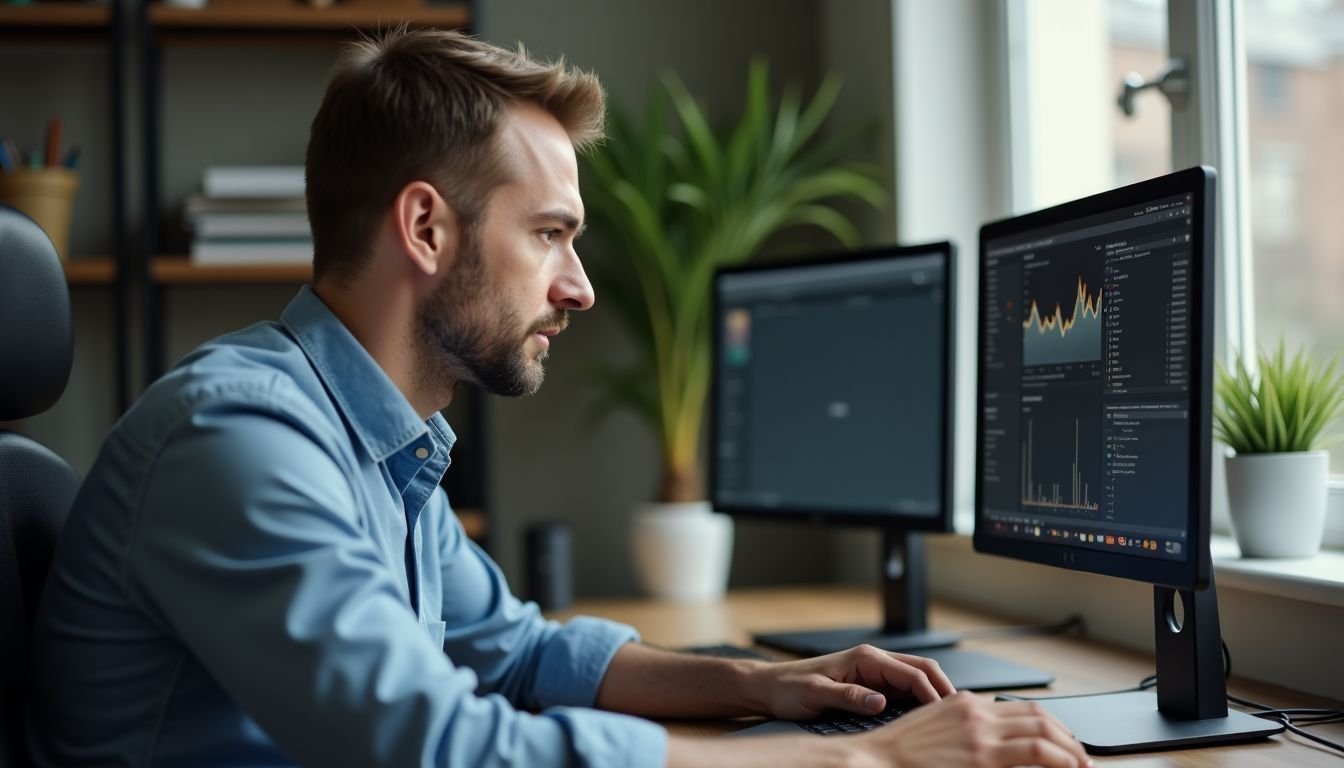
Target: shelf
[473,522]
[90,270]
[55,23]
[245,22]
[178,270]
[55,16]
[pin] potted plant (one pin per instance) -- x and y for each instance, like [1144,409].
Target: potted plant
[1277,421]
[678,204]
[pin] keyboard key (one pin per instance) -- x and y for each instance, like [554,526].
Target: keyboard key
[844,722]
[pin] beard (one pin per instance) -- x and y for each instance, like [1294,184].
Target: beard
[469,331]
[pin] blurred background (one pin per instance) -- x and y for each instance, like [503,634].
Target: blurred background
[979,110]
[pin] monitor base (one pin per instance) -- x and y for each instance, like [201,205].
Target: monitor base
[1116,723]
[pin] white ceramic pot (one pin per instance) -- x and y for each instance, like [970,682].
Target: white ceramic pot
[682,551]
[1277,502]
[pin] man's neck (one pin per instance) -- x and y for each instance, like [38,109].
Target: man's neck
[385,327]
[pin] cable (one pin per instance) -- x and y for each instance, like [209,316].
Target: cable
[1015,697]
[1292,718]
[1288,724]
[1074,621]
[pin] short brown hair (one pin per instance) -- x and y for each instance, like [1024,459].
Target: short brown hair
[424,105]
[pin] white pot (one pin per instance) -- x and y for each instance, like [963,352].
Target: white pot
[1277,502]
[682,551]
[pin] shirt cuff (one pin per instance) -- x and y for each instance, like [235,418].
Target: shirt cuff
[606,738]
[575,660]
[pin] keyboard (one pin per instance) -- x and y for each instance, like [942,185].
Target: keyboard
[834,723]
[723,650]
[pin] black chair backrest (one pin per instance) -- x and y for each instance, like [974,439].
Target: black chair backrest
[36,486]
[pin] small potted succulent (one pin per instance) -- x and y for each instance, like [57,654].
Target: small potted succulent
[1278,420]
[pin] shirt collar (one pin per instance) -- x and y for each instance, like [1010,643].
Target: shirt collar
[380,416]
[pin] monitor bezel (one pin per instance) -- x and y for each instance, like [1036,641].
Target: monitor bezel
[941,522]
[1193,573]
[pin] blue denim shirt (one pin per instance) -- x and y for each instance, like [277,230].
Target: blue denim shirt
[262,569]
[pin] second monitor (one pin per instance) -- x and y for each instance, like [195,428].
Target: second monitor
[831,402]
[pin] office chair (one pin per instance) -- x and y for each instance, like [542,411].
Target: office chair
[36,486]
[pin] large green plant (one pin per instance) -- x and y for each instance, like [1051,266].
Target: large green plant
[1285,407]
[680,203]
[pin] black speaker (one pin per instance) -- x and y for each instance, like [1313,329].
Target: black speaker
[550,569]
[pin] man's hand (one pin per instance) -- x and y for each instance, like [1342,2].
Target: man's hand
[972,731]
[857,680]
[960,731]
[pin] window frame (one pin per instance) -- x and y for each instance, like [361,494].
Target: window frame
[1210,129]
[1213,128]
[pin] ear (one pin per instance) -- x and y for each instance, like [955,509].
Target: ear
[426,227]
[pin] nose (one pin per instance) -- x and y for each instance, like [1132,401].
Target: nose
[572,289]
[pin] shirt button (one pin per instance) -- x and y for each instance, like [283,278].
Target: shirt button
[422,453]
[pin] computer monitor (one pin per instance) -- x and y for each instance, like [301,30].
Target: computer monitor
[831,402]
[1094,436]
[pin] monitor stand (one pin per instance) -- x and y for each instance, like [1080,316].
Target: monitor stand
[1190,706]
[905,627]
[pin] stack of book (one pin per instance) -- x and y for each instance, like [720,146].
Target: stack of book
[250,215]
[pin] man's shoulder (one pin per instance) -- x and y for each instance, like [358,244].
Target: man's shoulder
[258,370]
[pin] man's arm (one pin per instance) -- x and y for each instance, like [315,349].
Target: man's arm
[259,567]
[656,683]
[533,662]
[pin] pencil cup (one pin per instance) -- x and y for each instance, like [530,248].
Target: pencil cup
[46,195]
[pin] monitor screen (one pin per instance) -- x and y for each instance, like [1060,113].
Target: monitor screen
[831,386]
[1094,382]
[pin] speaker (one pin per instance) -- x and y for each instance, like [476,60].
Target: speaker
[550,569]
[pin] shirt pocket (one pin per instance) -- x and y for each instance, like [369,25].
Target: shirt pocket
[435,630]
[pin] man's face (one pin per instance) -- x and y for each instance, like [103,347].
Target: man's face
[516,275]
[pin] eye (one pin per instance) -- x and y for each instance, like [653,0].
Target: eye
[549,235]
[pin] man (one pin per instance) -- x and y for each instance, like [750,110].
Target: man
[261,567]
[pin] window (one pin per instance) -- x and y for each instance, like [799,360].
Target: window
[1265,106]
[1075,55]
[1295,115]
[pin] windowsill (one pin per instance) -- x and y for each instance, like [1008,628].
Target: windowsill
[1318,579]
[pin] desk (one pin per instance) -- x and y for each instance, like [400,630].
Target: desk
[1081,665]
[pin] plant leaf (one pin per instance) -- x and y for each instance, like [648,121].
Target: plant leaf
[1289,405]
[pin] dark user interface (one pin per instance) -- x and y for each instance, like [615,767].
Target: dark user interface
[1086,397]
[830,387]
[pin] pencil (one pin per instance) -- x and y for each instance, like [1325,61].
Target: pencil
[54,142]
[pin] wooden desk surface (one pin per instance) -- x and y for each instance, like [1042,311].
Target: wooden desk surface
[1081,665]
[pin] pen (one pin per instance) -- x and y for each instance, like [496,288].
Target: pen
[71,157]
[54,142]
[6,161]
[14,155]
[35,159]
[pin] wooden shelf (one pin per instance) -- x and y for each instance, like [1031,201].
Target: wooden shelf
[245,22]
[178,270]
[473,522]
[90,270]
[55,23]
[54,16]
